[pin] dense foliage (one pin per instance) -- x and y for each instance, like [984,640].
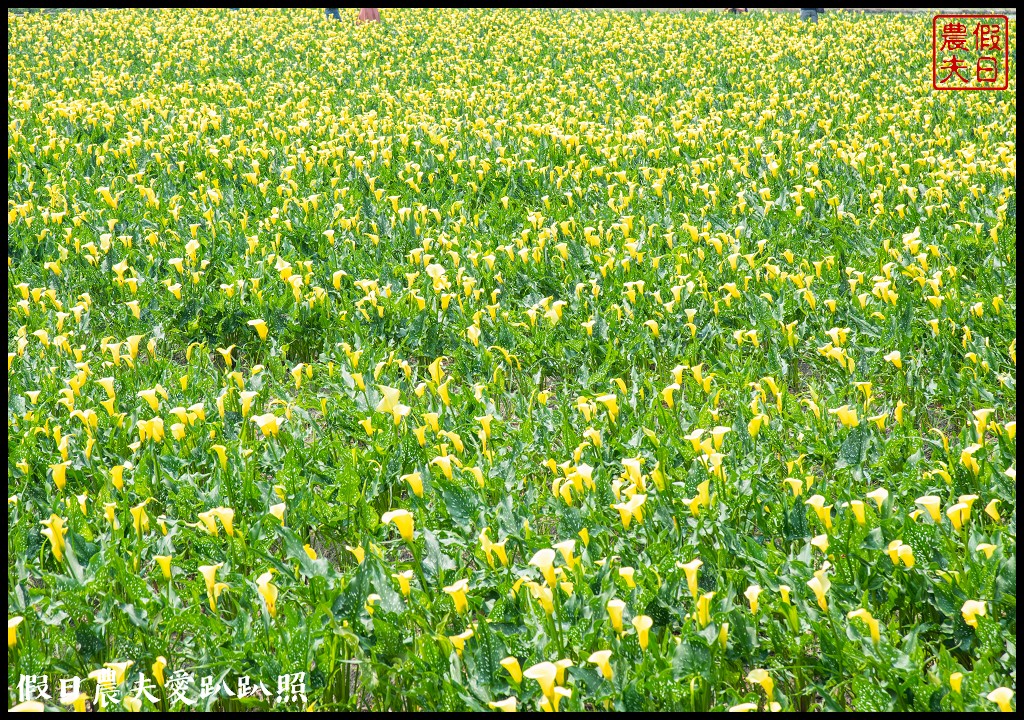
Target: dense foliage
[509,358]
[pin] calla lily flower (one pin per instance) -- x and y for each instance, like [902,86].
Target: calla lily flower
[403,520]
[602,659]
[457,591]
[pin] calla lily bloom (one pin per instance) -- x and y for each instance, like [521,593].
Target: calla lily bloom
[209,573]
[268,591]
[403,520]
[704,609]
[820,585]
[752,594]
[615,607]
[643,624]
[404,582]
[511,665]
[626,573]
[506,705]
[55,531]
[611,405]
[602,658]
[933,505]
[415,481]
[12,630]
[958,514]
[158,669]
[260,326]
[847,416]
[956,681]
[972,610]
[866,617]
[544,673]
[690,569]
[457,591]
[878,497]
[823,511]
[544,561]
[1001,696]
[761,677]
[164,561]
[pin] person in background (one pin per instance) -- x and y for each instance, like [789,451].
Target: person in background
[810,14]
[365,14]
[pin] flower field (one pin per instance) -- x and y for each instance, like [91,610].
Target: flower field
[507,360]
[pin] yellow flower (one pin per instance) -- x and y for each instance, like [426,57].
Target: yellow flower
[956,681]
[626,573]
[404,579]
[868,620]
[55,532]
[164,561]
[878,497]
[615,608]
[226,354]
[752,594]
[820,585]
[268,591]
[12,630]
[158,669]
[967,458]
[226,516]
[847,416]
[140,520]
[718,434]
[209,573]
[754,426]
[986,548]
[403,520]
[544,561]
[222,455]
[445,463]
[704,609]
[457,591]
[667,394]
[932,504]
[958,514]
[120,669]
[895,358]
[506,705]
[29,706]
[858,511]
[59,471]
[260,326]
[278,510]
[690,569]
[602,659]
[823,511]
[611,405]
[761,677]
[971,610]
[544,673]
[744,707]
[415,483]
[358,552]
[643,624]
[1001,696]
[992,509]
[511,665]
